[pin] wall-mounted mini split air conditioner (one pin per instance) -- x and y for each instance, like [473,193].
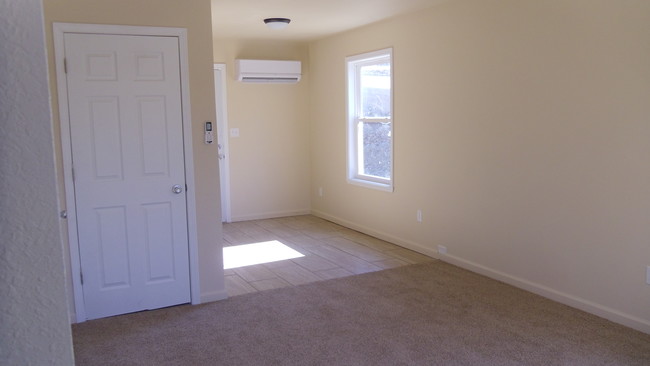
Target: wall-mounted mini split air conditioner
[267,71]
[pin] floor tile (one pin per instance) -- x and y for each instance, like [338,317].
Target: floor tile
[236,237]
[390,263]
[229,229]
[344,260]
[269,223]
[320,231]
[329,274]
[314,263]
[254,231]
[297,224]
[284,231]
[295,274]
[304,241]
[277,264]
[408,256]
[270,284]
[254,273]
[293,245]
[369,241]
[356,249]
[236,285]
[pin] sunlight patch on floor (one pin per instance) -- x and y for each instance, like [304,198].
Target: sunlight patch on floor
[257,253]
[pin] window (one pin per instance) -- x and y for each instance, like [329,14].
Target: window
[370,119]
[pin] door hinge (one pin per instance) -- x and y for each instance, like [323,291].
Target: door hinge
[64,214]
[81,275]
[65,65]
[186,188]
[73,178]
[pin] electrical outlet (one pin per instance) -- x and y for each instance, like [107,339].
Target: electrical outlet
[442,249]
[234,132]
[418,215]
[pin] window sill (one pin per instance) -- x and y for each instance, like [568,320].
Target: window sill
[374,185]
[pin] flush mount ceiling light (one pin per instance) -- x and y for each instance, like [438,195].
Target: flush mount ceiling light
[277,23]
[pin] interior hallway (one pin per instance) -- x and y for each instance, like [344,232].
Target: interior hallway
[327,251]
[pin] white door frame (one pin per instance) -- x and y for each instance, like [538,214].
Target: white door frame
[222,137]
[59,29]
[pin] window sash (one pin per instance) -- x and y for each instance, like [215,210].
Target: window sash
[360,152]
[358,100]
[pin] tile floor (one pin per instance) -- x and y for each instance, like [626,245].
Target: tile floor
[328,251]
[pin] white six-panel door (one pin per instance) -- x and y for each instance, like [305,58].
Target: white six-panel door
[126,133]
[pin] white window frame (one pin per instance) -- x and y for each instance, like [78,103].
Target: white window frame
[353,64]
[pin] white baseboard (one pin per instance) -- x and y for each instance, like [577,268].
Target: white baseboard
[547,292]
[270,215]
[214,296]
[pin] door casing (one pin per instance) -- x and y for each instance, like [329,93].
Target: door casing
[59,29]
[222,138]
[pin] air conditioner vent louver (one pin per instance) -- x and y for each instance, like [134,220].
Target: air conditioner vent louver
[251,79]
[268,71]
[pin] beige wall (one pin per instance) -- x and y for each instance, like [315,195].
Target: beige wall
[269,161]
[522,131]
[166,13]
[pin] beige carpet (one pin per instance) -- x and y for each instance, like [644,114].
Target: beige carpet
[426,314]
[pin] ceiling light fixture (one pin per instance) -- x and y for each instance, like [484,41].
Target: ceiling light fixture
[277,23]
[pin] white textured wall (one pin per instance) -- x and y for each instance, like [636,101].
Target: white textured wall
[34,325]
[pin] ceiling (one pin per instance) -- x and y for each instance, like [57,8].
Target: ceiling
[310,19]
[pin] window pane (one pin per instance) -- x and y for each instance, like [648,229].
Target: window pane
[376,139]
[375,90]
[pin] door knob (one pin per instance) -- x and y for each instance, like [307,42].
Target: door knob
[177,188]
